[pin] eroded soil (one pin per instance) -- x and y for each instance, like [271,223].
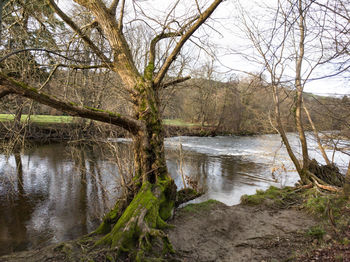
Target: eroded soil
[215,232]
[239,233]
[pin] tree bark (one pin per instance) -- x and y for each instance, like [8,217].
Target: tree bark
[347,183]
[153,189]
[314,129]
[282,132]
[299,89]
[138,218]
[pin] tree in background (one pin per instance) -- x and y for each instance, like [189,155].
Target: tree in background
[290,50]
[19,35]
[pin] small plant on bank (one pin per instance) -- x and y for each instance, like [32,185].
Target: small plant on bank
[316,232]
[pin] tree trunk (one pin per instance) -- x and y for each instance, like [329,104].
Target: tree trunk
[153,191]
[347,183]
[300,129]
[325,157]
[138,218]
[299,88]
[282,132]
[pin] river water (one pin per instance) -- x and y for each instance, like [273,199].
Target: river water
[57,192]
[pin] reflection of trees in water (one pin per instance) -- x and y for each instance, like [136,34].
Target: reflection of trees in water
[16,208]
[60,190]
[218,174]
[56,194]
[194,165]
[91,195]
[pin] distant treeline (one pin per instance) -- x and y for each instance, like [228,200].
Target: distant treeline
[242,106]
[246,107]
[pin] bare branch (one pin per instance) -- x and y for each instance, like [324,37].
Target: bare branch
[175,82]
[76,29]
[156,40]
[120,23]
[9,85]
[35,49]
[49,77]
[333,10]
[113,7]
[202,18]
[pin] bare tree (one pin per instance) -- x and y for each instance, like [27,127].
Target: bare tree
[290,50]
[139,216]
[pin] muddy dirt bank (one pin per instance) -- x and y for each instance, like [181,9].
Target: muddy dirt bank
[239,233]
[213,231]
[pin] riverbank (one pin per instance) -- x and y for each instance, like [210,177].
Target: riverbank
[51,132]
[292,224]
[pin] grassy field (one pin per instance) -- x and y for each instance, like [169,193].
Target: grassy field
[178,122]
[39,119]
[49,119]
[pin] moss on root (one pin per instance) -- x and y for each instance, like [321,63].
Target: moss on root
[141,223]
[110,218]
[185,195]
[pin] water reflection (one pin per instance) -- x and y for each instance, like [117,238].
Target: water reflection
[224,178]
[52,193]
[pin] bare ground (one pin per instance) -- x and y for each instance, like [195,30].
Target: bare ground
[239,233]
[213,231]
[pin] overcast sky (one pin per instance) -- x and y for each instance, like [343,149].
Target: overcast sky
[230,38]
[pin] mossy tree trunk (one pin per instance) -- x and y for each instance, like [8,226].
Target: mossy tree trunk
[138,218]
[152,193]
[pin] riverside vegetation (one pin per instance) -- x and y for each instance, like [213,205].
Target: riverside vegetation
[288,224]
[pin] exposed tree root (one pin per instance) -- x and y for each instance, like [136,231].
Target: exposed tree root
[140,226]
[328,187]
[306,186]
[185,195]
[326,174]
[111,218]
[326,177]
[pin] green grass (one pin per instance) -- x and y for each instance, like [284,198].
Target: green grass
[278,196]
[200,206]
[49,119]
[177,122]
[39,119]
[316,232]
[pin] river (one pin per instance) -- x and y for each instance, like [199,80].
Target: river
[57,192]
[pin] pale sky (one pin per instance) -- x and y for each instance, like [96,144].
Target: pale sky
[225,18]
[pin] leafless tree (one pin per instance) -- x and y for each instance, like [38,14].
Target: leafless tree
[139,216]
[290,50]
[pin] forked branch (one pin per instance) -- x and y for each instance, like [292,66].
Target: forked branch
[202,18]
[113,7]
[77,30]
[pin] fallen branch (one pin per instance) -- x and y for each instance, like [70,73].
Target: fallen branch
[328,187]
